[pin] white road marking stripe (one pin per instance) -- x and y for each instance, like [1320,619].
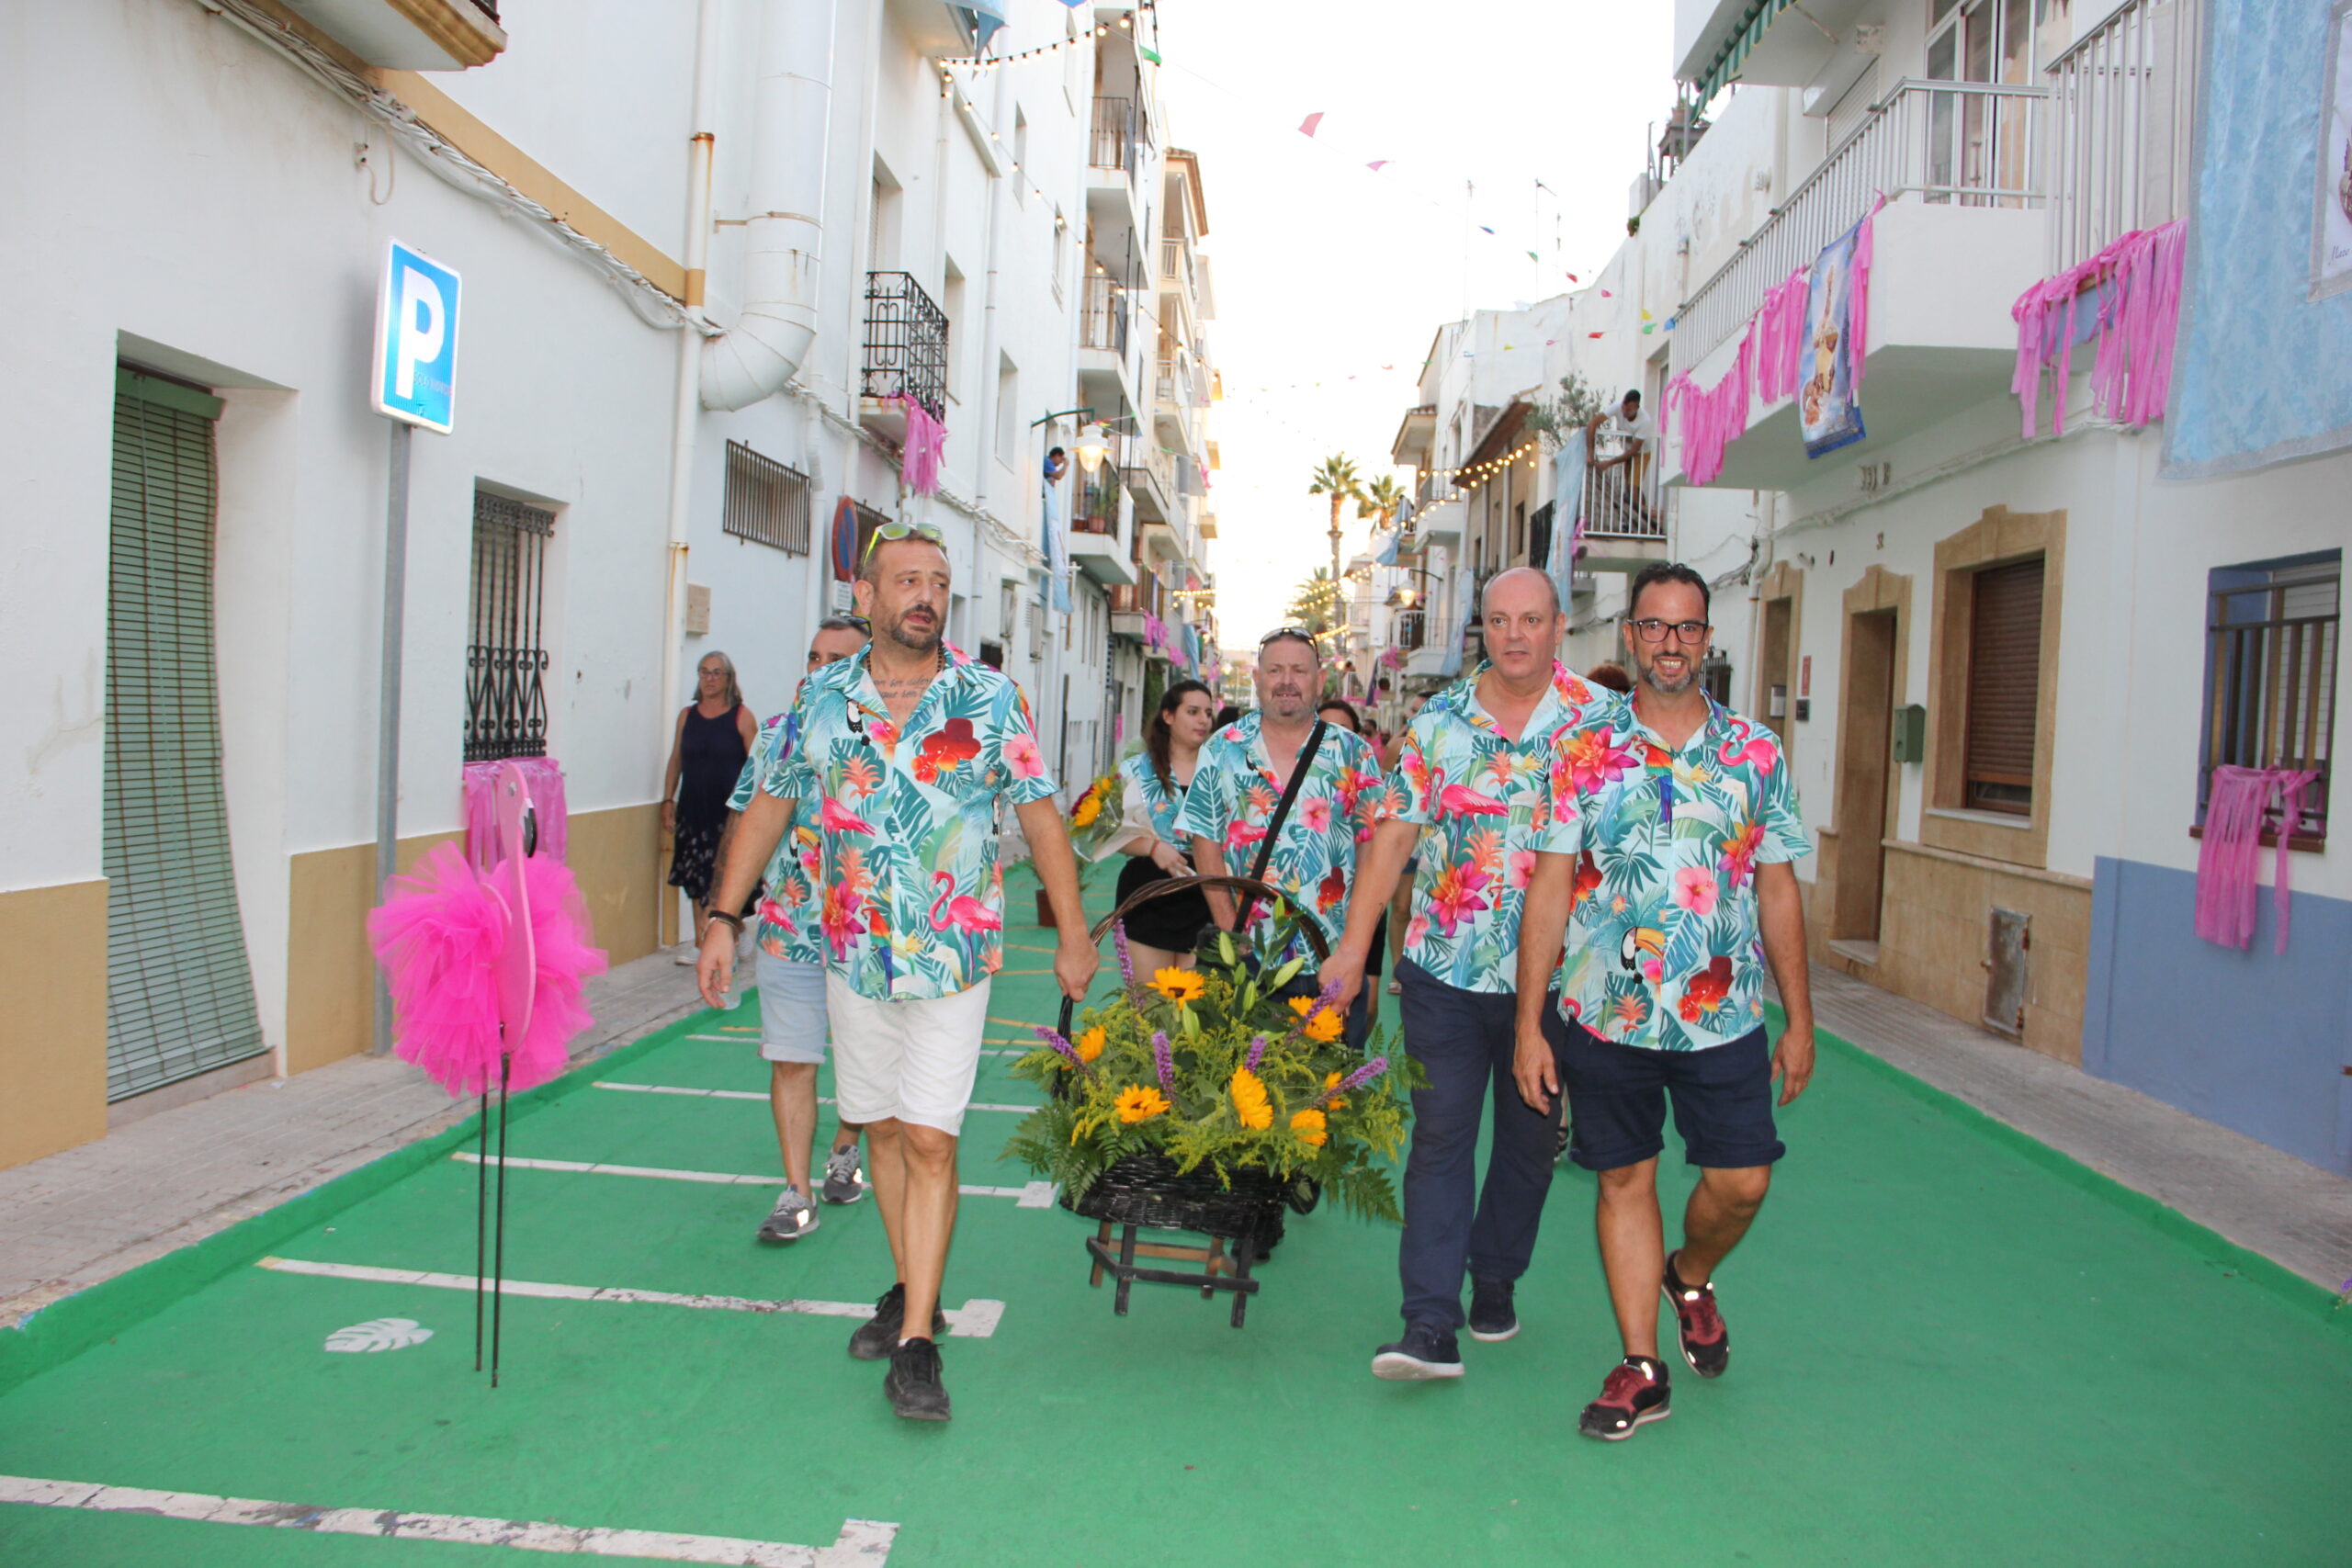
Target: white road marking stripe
[1029,1196]
[761,1095]
[864,1542]
[974,1320]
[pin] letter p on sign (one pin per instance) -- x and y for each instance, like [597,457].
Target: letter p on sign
[414,373]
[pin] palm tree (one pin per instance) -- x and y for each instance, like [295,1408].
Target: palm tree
[1336,478]
[1314,608]
[1381,500]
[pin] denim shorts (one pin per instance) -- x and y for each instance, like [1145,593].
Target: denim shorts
[1617,1094]
[792,1008]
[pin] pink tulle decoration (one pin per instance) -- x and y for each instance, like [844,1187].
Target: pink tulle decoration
[2135,286]
[1858,301]
[438,935]
[1712,419]
[926,443]
[2234,813]
[1779,339]
[544,778]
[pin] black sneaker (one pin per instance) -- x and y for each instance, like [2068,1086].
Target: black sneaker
[913,1387]
[1633,1394]
[1706,1343]
[1425,1352]
[1492,1317]
[878,1335]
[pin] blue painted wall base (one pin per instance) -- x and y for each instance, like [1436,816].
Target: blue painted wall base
[2255,1041]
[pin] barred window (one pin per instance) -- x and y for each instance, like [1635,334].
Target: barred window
[767,502]
[2273,632]
[506,709]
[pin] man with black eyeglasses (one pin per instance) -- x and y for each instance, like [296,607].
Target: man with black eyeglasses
[1663,858]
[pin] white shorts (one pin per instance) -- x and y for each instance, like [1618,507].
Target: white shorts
[792,1008]
[909,1060]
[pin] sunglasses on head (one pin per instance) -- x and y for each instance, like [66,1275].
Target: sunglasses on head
[928,534]
[1295,633]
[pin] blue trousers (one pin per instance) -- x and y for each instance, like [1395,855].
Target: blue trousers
[1465,1041]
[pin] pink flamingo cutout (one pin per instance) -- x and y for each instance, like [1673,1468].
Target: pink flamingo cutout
[838,819]
[963,911]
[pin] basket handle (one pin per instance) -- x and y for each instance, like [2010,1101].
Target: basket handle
[1167,885]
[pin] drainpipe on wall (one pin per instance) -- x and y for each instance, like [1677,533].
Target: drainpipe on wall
[792,114]
[685,410]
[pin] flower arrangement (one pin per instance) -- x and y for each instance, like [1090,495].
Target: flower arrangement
[1209,1066]
[1096,820]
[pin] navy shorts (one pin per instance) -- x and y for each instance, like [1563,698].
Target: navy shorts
[1723,1101]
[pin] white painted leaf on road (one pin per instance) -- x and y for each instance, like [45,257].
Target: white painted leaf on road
[378,1334]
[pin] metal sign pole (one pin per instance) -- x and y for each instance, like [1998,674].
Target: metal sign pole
[387,721]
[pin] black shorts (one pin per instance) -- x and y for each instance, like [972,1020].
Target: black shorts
[1171,923]
[1723,1101]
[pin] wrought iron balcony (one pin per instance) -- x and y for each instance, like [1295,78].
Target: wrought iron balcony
[1104,324]
[906,343]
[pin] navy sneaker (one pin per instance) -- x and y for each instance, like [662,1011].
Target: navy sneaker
[1633,1394]
[1706,1343]
[1426,1352]
[1492,1316]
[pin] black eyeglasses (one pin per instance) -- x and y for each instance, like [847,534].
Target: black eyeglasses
[1651,630]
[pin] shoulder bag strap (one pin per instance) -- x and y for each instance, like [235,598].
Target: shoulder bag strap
[1281,815]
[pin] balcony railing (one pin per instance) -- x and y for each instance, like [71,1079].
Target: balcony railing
[1974,143]
[1103,322]
[1411,629]
[2124,106]
[1624,501]
[1113,146]
[906,343]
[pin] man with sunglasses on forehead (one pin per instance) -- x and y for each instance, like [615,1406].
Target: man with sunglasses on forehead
[1664,858]
[1238,787]
[906,748]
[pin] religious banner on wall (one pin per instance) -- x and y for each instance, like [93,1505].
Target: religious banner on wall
[1828,414]
[2332,210]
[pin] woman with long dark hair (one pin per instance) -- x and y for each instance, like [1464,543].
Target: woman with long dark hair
[713,733]
[1151,792]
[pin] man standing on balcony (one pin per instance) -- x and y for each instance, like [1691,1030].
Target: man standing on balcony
[1664,856]
[1473,772]
[906,748]
[1634,433]
[1238,787]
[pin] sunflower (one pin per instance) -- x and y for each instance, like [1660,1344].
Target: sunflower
[1137,1103]
[1331,1082]
[1088,810]
[1308,1125]
[1325,1026]
[1180,985]
[1250,1100]
[1090,1045]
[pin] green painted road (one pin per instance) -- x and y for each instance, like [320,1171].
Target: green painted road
[1952,1348]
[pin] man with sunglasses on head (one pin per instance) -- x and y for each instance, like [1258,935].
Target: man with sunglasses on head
[906,748]
[1664,857]
[1237,789]
[789,963]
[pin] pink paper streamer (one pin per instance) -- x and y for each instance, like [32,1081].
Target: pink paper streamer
[2235,814]
[2139,313]
[1858,305]
[926,442]
[1714,418]
[545,778]
[1780,342]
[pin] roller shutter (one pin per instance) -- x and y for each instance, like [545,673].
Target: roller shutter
[179,991]
[2004,685]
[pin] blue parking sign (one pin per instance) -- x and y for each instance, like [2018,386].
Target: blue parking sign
[414,376]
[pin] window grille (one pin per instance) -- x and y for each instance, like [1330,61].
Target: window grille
[2273,633]
[766,503]
[2004,687]
[506,709]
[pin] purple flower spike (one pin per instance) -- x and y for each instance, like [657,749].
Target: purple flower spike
[1329,995]
[1126,959]
[1257,1053]
[1163,1061]
[1362,1076]
[1060,1045]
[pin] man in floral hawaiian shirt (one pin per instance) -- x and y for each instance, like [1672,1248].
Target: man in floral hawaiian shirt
[1473,772]
[1240,781]
[1664,857]
[906,749]
[789,962]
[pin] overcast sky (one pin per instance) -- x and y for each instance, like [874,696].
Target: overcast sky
[1328,272]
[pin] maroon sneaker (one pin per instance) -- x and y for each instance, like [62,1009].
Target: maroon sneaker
[1635,1392]
[1706,1343]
